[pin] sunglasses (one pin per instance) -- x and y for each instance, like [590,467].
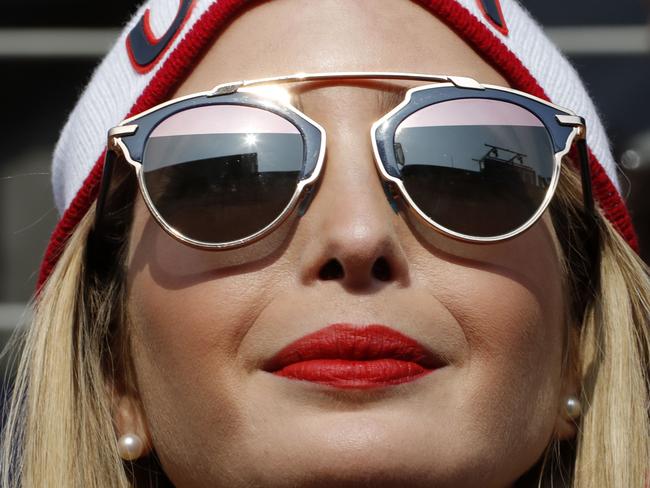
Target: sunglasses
[224,168]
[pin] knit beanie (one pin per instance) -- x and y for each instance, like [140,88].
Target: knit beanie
[165,39]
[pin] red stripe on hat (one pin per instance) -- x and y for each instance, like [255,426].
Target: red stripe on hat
[185,56]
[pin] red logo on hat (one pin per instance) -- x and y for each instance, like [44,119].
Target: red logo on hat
[144,48]
[492,12]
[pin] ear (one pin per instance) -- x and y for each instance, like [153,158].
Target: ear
[566,427]
[129,418]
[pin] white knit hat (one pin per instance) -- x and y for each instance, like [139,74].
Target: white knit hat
[163,41]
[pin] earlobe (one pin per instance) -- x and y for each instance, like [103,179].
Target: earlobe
[568,417]
[570,406]
[132,436]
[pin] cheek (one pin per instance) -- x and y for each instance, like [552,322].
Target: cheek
[499,315]
[185,329]
[184,304]
[184,344]
[511,313]
[189,324]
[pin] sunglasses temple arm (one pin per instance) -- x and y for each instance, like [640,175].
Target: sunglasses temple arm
[593,232]
[585,170]
[107,171]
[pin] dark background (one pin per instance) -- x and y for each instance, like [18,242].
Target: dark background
[40,86]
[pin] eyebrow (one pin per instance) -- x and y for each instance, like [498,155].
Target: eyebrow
[389,99]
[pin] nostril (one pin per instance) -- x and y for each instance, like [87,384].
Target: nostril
[332,270]
[381,269]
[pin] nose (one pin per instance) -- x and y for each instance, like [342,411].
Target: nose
[362,259]
[350,228]
[357,247]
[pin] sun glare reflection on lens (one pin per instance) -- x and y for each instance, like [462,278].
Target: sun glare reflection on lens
[250,139]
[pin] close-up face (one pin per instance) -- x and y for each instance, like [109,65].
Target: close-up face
[204,324]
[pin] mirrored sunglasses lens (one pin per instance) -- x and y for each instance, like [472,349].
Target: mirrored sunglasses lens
[223,172]
[478,167]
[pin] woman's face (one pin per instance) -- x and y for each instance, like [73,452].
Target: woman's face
[204,323]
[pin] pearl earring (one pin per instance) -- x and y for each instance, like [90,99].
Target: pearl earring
[130,447]
[572,407]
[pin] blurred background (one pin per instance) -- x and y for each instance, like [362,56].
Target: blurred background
[49,48]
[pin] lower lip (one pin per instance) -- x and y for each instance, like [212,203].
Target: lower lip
[343,373]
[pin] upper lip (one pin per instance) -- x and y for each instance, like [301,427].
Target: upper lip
[344,341]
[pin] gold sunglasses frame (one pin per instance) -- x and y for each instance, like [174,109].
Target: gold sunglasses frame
[304,189]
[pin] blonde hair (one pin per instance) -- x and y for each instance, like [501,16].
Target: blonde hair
[59,429]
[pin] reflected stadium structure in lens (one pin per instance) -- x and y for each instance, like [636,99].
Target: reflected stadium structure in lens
[491,162]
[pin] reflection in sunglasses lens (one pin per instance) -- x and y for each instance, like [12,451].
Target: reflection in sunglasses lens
[223,172]
[475,166]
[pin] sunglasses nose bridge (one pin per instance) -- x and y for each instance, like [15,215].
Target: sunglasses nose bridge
[313,183]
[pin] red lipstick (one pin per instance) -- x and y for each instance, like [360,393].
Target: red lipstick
[354,357]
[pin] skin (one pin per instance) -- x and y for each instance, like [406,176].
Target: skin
[204,322]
